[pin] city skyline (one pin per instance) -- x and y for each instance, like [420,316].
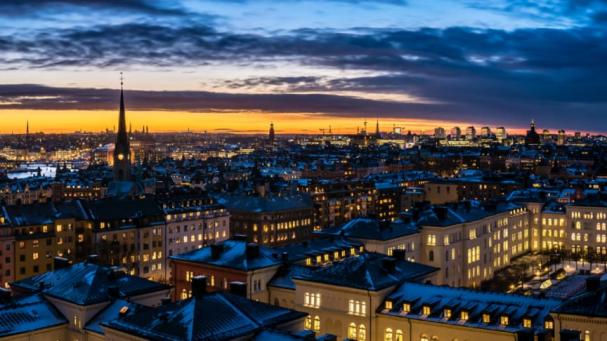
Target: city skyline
[216,66]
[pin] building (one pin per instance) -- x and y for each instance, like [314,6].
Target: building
[456,133]
[532,138]
[501,134]
[470,133]
[271,135]
[271,220]
[561,138]
[204,316]
[122,149]
[485,132]
[440,133]
[416,311]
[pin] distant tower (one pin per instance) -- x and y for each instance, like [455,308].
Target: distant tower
[470,133]
[272,133]
[377,128]
[439,133]
[456,133]
[122,149]
[532,137]
[500,134]
[561,138]
[330,131]
[27,131]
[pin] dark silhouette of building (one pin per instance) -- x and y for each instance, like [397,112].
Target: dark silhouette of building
[532,138]
[122,149]
[272,137]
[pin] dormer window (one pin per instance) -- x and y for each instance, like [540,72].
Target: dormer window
[549,324]
[527,323]
[426,310]
[463,315]
[406,308]
[486,318]
[504,320]
[388,305]
[447,313]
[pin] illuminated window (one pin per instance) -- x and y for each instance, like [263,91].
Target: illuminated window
[352,331]
[388,305]
[486,318]
[526,323]
[317,323]
[308,323]
[426,310]
[504,320]
[388,335]
[35,255]
[549,324]
[399,335]
[447,313]
[464,315]
[362,332]
[406,307]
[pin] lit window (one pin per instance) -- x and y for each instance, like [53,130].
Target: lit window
[549,324]
[463,316]
[308,323]
[388,335]
[317,323]
[486,318]
[352,331]
[447,313]
[406,307]
[389,305]
[426,310]
[526,323]
[504,320]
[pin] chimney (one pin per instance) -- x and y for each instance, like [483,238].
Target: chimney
[216,250]
[238,288]
[441,212]
[60,263]
[199,285]
[389,264]
[400,254]
[92,259]
[113,291]
[252,250]
[593,283]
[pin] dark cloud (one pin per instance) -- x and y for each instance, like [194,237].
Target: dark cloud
[29,8]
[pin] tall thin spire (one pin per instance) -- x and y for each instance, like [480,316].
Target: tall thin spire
[122,150]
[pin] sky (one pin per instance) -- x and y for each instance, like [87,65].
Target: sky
[237,65]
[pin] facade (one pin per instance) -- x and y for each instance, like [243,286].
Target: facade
[271,220]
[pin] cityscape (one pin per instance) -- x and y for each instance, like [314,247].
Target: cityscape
[303,170]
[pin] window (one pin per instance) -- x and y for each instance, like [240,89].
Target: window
[308,323]
[424,338]
[388,305]
[35,255]
[362,332]
[463,315]
[352,331]
[406,308]
[316,323]
[358,308]
[504,320]
[77,321]
[399,335]
[549,324]
[312,300]
[426,310]
[526,323]
[486,318]
[388,335]
[447,313]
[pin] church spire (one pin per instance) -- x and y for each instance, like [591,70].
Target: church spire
[122,150]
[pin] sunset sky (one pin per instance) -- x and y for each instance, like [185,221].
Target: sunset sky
[237,65]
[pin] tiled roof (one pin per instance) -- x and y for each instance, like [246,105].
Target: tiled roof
[461,214]
[589,302]
[369,271]
[216,316]
[28,314]
[316,246]
[106,209]
[109,313]
[476,303]
[43,213]
[87,283]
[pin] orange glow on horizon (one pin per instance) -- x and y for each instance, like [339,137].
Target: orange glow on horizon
[68,121]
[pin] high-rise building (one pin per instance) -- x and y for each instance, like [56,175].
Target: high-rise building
[271,136]
[470,133]
[561,138]
[439,133]
[456,133]
[122,149]
[485,132]
[546,137]
[500,134]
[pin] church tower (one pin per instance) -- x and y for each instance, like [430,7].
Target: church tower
[122,150]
